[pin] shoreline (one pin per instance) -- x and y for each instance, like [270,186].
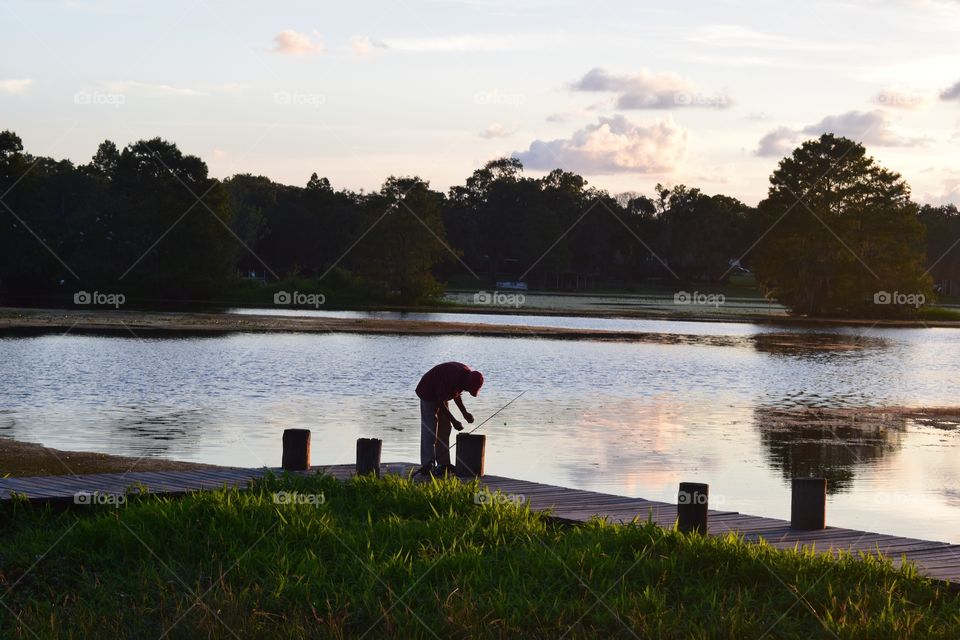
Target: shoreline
[132,323]
[23,459]
[20,321]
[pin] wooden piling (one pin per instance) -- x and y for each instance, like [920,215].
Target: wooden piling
[692,507]
[470,454]
[808,504]
[368,456]
[296,450]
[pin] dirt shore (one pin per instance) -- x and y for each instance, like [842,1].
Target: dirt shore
[30,459]
[24,321]
[148,323]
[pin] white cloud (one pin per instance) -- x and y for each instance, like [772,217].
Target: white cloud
[866,127]
[952,93]
[364,45]
[738,36]
[433,44]
[950,193]
[495,130]
[15,86]
[646,90]
[290,42]
[901,99]
[126,86]
[576,114]
[612,145]
[777,143]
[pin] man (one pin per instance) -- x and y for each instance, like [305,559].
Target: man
[440,385]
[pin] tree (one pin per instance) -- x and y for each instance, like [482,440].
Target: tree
[404,240]
[170,244]
[840,229]
[700,233]
[484,209]
[943,246]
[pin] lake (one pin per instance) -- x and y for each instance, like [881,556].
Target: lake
[743,414]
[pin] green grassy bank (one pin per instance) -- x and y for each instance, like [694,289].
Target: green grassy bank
[315,558]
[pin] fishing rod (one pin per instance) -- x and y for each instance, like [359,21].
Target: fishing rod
[498,411]
[451,446]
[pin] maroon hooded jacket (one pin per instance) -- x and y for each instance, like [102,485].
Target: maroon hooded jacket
[446,381]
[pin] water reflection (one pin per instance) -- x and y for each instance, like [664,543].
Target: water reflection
[829,443]
[814,344]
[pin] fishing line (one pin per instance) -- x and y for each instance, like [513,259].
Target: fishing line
[491,416]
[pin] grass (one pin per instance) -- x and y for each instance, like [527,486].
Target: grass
[934,313]
[390,558]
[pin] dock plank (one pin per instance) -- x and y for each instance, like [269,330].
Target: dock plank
[939,560]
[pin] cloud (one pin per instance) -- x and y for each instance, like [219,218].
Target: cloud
[900,99]
[364,45]
[495,130]
[290,42]
[738,36]
[570,116]
[777,143]
[456,43]
[952,93]
[612,145]
[15,86]
[950,193]
[646,90]
[127,86]
[866,127]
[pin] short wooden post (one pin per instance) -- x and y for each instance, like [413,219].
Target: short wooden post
[808,504]
[296,450]
[368,456]
[692,507]
[470,454]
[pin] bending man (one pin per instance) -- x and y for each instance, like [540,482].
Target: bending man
[440,385]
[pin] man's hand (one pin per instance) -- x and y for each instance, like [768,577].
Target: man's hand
[468,417]
[457,425]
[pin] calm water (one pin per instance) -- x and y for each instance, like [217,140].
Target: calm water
[633,419]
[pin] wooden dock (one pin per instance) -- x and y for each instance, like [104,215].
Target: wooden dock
[938,560]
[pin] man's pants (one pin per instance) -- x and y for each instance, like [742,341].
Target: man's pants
[434,433]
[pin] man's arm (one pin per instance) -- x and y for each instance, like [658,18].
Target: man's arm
[463,410]
[453,421]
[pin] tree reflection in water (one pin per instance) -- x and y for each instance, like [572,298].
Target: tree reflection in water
[829,443]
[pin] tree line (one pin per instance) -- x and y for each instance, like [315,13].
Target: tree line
[148,220]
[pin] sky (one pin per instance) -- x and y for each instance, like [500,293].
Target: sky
[629,94]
